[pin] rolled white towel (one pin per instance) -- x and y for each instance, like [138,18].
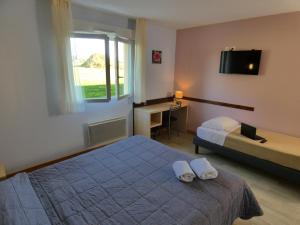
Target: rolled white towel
[203,169]
[183,171]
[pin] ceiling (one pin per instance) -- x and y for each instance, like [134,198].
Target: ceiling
[181,14]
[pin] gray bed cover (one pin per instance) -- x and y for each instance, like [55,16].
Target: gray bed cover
[132,182]
[19,204]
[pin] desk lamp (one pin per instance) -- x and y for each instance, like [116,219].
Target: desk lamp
[178,96]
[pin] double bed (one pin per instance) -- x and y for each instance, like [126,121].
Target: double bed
[129,182]
[280,155]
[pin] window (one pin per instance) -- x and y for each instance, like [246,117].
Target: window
[123,56]
[101,66]
[90,55]
[112,55]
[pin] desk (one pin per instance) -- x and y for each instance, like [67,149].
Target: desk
[148,117]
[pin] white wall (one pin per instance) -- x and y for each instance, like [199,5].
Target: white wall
[92,15]
[28,135]
[160,77]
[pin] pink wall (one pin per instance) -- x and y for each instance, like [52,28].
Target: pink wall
[275,93]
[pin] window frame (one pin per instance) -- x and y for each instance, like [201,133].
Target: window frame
[129,42]
[107,63]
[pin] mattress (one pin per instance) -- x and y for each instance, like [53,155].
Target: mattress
[211,135]
[132,182]
[279,148]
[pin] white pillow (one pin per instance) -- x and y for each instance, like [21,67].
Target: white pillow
[221,123]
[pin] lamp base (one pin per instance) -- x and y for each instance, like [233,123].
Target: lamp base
[177,102]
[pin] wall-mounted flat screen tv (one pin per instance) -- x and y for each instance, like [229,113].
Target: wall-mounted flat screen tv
[240,62]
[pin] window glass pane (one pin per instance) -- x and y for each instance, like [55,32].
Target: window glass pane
[89,66]
[124,67]
[112,55]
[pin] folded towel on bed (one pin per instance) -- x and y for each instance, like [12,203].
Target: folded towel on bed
[203,169]
[183,171]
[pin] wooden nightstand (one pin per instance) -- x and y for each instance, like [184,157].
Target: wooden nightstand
[2,172]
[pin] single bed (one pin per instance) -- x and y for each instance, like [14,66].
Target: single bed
[130,182]
[279,155]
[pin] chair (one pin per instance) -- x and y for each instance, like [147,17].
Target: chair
[168,119]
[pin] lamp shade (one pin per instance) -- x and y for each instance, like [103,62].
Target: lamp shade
[178,94]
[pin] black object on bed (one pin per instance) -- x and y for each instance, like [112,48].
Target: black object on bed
[281,171]
[130,182]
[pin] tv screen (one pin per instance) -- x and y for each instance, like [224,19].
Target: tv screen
[240,62]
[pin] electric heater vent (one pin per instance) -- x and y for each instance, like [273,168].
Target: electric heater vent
[107,131]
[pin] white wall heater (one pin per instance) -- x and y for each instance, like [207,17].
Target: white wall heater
[106,132]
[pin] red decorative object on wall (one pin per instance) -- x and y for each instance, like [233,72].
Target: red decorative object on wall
[156,57]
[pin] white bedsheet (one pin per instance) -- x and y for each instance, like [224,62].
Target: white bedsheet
[214,136]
